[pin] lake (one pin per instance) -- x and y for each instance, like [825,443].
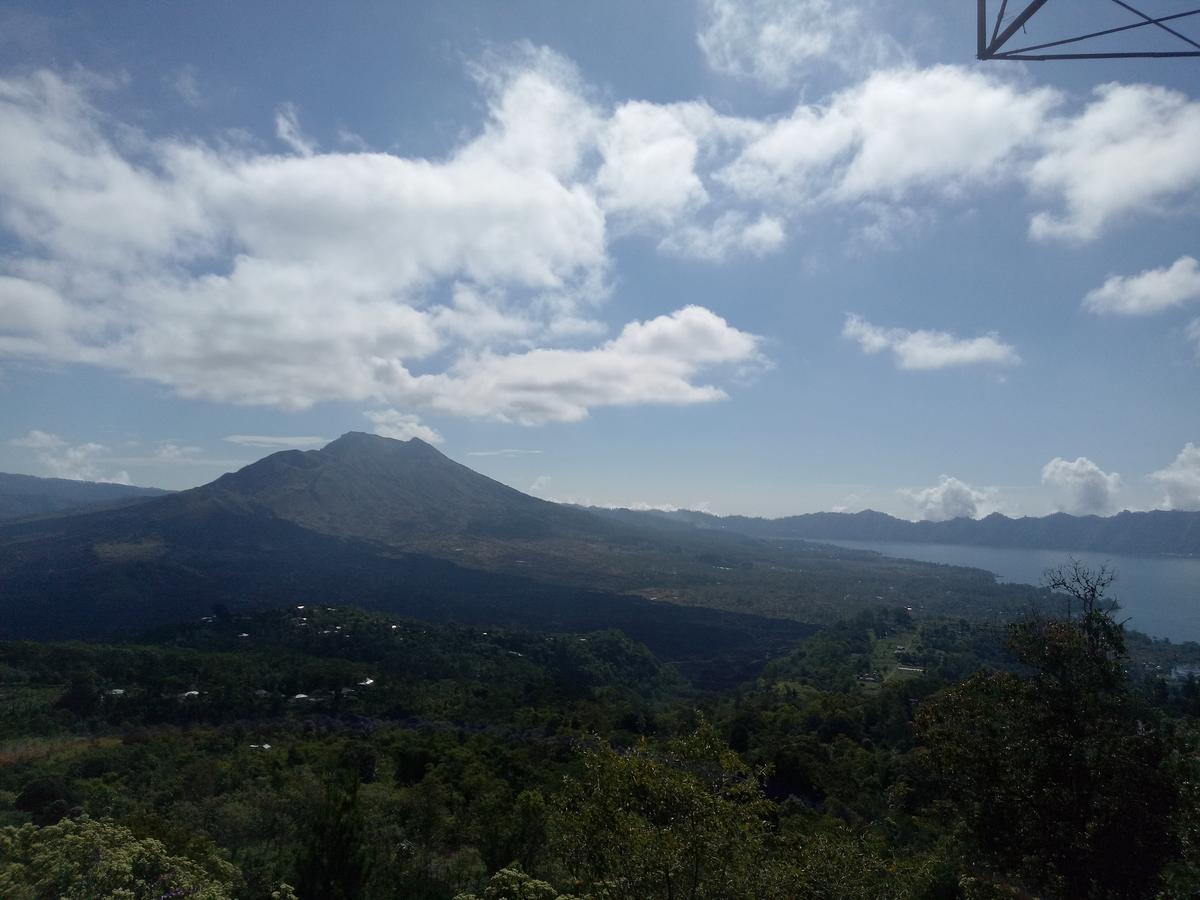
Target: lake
[1159,594]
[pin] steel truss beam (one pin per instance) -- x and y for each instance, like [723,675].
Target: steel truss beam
[1002,31]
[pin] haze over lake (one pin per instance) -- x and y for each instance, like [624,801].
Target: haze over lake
[1159,595]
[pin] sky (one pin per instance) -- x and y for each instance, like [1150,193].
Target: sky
[764,257]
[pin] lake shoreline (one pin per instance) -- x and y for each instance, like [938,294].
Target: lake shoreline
[1160,593]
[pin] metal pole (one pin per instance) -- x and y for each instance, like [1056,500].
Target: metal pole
[1016,24]
[982,30]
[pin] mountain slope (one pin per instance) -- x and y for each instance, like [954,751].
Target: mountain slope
[26,496]
[397,526]
[1154,532]
[394,492]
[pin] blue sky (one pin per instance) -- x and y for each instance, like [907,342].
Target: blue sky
[767,257]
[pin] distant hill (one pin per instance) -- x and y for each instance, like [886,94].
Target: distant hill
[25,496]
[1173,533]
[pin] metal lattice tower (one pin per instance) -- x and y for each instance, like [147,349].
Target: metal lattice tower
[997,45]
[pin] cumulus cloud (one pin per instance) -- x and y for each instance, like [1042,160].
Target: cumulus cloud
[1150,291]
[1180,480]
[291,278]
[275,442]
[731,233]
[922,349]
[946,129]
[38,440]
[942,129]
[655,361]
[294,279]
[331,254]
[1132,148]
[1081,487]
[391,423]
[951,498]
[78,462]
[655,159]
[649,168]
[776,42]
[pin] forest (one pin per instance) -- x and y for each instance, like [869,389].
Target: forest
[327,752]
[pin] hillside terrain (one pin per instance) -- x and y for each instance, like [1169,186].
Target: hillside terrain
[25,496]
[398,526]
[368,671]
[319,751]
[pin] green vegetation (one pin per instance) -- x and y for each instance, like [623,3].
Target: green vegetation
[326,752]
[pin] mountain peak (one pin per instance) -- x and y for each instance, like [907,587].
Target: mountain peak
[362,440]
[381,489]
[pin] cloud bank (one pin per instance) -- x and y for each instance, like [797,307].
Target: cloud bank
[472,284]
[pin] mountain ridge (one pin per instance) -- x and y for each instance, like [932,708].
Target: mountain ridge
[398,526]
[1154,532]
[30,496]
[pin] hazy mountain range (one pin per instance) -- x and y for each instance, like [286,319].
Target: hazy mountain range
[24,496]
[397,526]
[1153,532]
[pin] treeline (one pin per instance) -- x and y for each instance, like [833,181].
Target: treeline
[886,756]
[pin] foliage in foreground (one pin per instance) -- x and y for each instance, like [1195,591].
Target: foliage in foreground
[83,859]
[868,763]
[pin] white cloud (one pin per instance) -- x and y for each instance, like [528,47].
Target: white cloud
[648,362]
[287,129]
[852,501]
[275,442]
[951,498]
[946,129]
[1082,487]
[941,128]
[1181,479]
[731,233]
[1132,149]
[170,451]
[777,42]
[290,280]
[651,182]
[917,350]
[1150,291]
[391,423]
[540,484]
[541,120]
[287,280]
[39,440]
[79,462]
[649,153]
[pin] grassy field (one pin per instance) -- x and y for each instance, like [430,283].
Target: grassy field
[888,663]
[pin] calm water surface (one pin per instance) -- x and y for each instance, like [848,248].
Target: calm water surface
[1160,595]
